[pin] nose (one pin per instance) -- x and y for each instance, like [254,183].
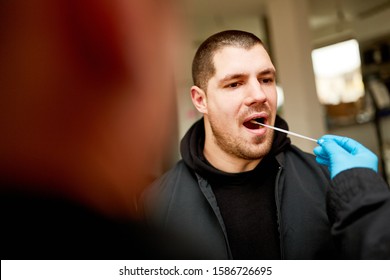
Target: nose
[255,94]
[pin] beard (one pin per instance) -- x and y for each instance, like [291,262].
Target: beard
[239,146]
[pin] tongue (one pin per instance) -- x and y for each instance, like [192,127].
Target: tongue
[251,125]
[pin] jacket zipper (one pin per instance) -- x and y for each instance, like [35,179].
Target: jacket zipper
[220,220]
[278,211]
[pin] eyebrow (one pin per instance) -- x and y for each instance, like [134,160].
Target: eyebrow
[240,75]
[268,71]
[231,77]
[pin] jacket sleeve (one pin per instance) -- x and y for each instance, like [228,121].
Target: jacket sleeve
[359,209]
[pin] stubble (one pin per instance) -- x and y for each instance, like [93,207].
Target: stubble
[240,146]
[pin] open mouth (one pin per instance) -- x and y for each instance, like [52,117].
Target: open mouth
[253,123]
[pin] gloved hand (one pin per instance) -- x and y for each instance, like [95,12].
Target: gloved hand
[342,153]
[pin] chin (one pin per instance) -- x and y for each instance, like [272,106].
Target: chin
[261,150]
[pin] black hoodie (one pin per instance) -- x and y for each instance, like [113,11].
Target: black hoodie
[184,201]
[247,199]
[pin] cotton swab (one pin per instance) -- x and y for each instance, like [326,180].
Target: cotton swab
[285,131]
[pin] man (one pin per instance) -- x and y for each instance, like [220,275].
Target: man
[358,201]
[242,191]
[81,125]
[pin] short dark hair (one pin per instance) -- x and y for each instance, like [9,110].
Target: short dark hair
[203,66]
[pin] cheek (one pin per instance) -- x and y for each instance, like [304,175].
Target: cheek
[225,106]
[272,98]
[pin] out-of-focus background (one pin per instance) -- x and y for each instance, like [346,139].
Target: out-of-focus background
[332,59]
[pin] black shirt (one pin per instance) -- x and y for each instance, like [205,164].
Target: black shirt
[247,204]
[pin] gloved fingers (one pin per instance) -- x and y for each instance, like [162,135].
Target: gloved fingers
[342,153]
[350,145]
[321,156]
[320,152]
[323,160]
[331,148]
[328,137]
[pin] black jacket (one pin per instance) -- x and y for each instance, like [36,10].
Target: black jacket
[359,207]
[183,201]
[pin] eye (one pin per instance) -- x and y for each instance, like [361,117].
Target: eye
[233,85]
[267,80]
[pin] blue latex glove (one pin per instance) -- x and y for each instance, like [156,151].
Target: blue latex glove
[342,153]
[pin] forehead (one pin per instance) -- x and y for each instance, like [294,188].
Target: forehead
[230,60]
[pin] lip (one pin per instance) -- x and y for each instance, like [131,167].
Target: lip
[263,115]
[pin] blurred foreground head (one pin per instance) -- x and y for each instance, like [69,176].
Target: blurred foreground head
[86,95]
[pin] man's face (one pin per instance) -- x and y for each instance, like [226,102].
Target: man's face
[242,89]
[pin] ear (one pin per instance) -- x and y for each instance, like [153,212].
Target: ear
[199,99]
